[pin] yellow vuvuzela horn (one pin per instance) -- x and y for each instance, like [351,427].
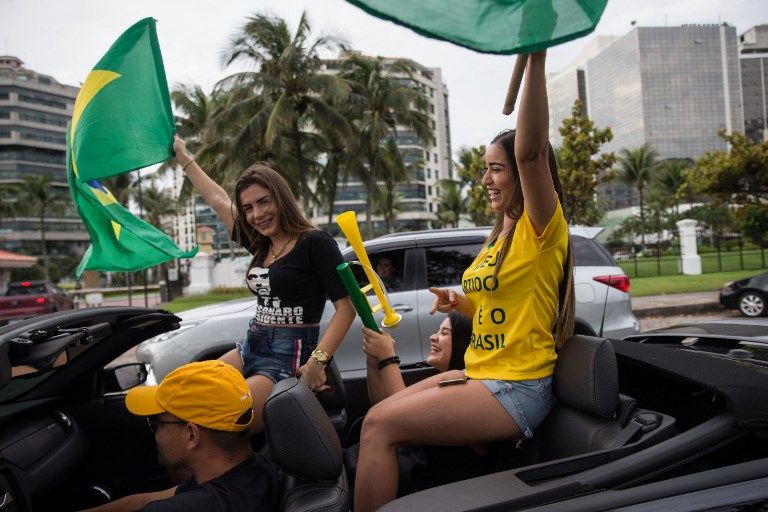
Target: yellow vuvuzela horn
[347,221]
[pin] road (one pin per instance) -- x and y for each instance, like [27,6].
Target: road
[658,322]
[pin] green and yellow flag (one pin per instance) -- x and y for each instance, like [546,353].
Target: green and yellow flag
[120,241]
[122,121]
[493,26]
[128,123]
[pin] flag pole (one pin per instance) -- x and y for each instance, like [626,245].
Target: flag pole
[514,84]
[141,214]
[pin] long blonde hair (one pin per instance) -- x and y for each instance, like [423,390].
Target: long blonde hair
[513,208]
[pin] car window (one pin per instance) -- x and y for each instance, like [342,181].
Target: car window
[36,289]
[588,253]
[446,265]
[389,265]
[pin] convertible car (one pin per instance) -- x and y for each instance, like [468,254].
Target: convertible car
[669,420]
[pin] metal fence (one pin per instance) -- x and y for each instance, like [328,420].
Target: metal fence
[718,254]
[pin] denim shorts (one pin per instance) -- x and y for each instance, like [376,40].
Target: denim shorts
[527,401]
[275,351]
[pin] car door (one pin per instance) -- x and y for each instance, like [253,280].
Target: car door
[349,356]
[441,265]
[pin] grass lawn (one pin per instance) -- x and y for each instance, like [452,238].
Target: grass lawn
[642,286]
[193,301]
[710,262]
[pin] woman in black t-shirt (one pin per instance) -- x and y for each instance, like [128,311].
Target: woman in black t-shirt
[292,272]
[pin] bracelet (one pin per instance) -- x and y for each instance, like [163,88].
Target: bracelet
[184,167]
[388,360]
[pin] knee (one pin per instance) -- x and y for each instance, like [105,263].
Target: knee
[377,426]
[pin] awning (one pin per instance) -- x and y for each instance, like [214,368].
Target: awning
[12,260]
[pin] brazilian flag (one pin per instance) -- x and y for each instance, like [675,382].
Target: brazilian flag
[121,121]
[493,26]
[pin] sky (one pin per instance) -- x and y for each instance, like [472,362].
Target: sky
[65,39]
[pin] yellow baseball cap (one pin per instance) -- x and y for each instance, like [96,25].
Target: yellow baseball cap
[211,394]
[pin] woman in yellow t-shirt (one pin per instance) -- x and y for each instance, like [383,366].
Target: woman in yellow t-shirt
[519,294]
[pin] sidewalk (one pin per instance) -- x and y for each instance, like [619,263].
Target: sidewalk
[676,304]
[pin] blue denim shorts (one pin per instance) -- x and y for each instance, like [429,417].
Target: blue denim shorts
[276,352]
[527,401]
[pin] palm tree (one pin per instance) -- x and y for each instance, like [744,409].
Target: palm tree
[636,166]
[469,168]
[388,101]
[285,100]
[41,198]
[9,200]
[451,203]
[670,177]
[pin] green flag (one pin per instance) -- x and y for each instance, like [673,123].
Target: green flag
[119,240]
[493,26]
[122,119]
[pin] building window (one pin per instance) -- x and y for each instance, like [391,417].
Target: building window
[437,174]
[429,190]
[435,157]
[429,174]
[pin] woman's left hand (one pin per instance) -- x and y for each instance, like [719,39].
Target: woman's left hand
[312,374]
[376,345]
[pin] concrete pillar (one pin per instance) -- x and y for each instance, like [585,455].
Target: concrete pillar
[689,256]
[200,274]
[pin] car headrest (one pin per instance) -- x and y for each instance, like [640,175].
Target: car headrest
[302,440]
[586,377]
[5,366]
[334,398]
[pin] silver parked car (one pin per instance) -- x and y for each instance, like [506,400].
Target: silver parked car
[422,259]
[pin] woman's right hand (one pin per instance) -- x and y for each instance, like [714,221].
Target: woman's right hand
[180,149]
[445,300]
[377,346]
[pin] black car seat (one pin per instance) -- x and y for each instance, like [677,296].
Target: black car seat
[334,400]
[306,448]
[590,414]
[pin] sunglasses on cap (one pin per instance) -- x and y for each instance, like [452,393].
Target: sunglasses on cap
[154,423]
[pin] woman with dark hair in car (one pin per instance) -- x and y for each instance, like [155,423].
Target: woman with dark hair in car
[519,294]
[293,272]
[447,347]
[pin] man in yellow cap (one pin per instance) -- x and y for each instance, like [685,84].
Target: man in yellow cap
[200,415]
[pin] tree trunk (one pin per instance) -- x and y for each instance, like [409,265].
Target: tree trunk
[642,219]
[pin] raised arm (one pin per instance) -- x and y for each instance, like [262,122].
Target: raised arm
[210,191]
[384,382]
[532,145]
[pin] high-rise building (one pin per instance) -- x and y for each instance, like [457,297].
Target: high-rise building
[34,112]
[671,87]
[570,84]
[420,196]
[753,49]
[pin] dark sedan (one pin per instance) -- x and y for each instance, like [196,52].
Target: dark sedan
[747,295]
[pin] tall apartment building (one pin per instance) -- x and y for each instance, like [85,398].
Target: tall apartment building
[420,196]
[753,50]
[34,112]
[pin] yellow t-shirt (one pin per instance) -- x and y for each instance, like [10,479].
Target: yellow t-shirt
[513,321]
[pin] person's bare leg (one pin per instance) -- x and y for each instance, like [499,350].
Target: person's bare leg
[452,416]
[234,358]
[260,386]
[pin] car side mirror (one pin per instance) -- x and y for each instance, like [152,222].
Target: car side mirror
[124,377]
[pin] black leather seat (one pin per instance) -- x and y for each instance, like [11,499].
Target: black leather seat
[590,414]
[305,446]
[334,400]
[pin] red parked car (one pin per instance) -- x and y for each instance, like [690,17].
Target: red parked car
[31,298]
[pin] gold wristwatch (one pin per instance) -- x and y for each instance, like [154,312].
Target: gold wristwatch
[321,356]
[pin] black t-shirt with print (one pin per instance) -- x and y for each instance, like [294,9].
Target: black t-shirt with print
[293,289]
[251,485]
